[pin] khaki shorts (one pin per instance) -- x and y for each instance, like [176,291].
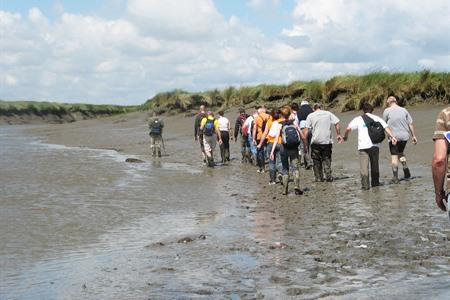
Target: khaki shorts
[209,142]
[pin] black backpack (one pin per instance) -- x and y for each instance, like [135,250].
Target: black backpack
[156,127]
[376,130]
[208,129]
[289,135]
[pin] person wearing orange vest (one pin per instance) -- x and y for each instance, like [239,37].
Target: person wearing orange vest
[258,131]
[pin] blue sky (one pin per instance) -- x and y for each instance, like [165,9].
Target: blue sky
[125,51]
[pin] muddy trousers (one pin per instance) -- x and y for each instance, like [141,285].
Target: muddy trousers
[209,142]
[245,149]
[290,162]
[321,157]
[225,146]
[371,156]
[155,144]
[275,163]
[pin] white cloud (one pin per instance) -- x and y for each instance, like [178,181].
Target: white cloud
[396,33]
[173,19]
[161,45]
[9,80]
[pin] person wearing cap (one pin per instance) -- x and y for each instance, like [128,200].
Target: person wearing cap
[401,123]
[209,128]
[240,130]
[319,123]
[304,110]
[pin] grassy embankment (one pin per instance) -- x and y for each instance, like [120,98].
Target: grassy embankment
[30,111]
[342,93]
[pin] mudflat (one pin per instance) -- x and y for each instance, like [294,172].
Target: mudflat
[247,241]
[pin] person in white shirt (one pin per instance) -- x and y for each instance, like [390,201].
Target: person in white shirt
[368,151]
[224,128]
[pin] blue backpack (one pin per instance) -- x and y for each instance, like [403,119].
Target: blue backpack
[208,129]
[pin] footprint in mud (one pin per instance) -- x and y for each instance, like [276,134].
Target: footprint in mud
[280,280]
[298,291]
[189,239]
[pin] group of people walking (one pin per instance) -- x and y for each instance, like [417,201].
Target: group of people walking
[294,136]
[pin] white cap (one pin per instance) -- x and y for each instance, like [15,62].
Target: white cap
[304,102]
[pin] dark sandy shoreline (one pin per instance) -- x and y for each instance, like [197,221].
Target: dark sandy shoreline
[335,241]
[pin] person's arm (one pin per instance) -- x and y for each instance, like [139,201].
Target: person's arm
[237,128]
[304,140]
[196,127]
[255,125]
[263,138]
[439,168]
[219,137]
[412,128]
[216,129]
[347,132]
[338,133]
[306,132]
[273,148]
[390,135]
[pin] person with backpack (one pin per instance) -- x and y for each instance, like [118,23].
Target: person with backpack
[224,128]
[371,132]
[259,127]
[209,128]
[273,126]
[401,123]
[155,126]
[197,133]
[291,137]
[319,123]
[239,129]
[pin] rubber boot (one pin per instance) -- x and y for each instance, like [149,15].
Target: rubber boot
[365,182]
[210,161]
[297,189]
[395,179]
[407,172]
[285,181]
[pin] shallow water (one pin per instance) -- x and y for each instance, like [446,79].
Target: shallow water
[79,223]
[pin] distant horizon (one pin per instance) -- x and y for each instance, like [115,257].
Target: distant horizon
[124,52]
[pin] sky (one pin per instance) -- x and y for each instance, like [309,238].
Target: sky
[126,51]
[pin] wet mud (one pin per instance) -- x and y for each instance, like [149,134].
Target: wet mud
[225,233]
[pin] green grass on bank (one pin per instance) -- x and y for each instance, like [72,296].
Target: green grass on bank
[14,108]
[341,92]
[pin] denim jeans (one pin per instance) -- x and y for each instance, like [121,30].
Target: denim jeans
[275,164]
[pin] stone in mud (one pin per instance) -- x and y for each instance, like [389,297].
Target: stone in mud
[278,245]
[133,160]
[185,240]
